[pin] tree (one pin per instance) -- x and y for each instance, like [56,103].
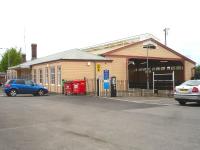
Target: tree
[197,72]
[11,57]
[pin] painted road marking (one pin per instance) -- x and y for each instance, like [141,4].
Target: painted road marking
[139,101]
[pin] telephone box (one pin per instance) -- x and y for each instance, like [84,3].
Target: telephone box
[113,85]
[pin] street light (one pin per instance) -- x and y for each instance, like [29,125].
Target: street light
[148,45]
[166,32]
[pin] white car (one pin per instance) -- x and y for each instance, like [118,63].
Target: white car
[188,91]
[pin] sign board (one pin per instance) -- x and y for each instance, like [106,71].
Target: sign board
[98,66]
[106,74]
[106,83]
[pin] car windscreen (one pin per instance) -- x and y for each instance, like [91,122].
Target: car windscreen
[191,83]
[9,82]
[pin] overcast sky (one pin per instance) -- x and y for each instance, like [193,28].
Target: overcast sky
[57,25]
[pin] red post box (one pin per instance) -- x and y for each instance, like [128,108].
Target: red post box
[68,88]
[82,87]
[75,87]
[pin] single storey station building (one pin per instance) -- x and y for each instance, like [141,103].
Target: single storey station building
[126,59]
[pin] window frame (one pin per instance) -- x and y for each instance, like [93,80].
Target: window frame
[40,76]
[59,75]
[52,75]
[35,75]
[46,75]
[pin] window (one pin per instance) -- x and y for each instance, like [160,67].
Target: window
[52,75]
[10,82]
[41,75]
[29,82]
[144,69]
[157,68]
[162,68]
[140,69]
[59,75]
[46,75]
[34,75]
[20,82]
[179,68]
[8,75]
[173,67]
[168,67]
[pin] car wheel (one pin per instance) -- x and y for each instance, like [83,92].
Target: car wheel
[41,93]
[182,102]
[13,93]
[198,103]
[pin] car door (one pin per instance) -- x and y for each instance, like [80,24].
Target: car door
[30,87]
[21,86]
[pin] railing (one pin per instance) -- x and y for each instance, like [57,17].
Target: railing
[126,88]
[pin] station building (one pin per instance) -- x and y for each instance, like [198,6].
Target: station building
[126,59]
[2,77]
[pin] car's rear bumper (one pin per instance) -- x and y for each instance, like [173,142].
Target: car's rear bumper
[189,98]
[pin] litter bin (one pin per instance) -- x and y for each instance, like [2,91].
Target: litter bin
[79,87]
[68,88]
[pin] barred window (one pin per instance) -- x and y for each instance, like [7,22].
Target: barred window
[59,75]
[52,75]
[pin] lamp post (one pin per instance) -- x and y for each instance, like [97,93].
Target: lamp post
[166,32]
[148,45]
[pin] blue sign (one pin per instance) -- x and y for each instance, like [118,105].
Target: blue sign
[106,83]
[106,74]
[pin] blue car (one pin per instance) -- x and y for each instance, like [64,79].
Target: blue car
[20,86]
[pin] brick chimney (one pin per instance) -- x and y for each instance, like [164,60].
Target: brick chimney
[34,51]
[23,58]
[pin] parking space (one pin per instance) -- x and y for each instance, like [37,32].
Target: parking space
[88,123]
[146,100]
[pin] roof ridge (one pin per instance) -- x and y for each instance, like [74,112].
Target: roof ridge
[73,54]
[138,37]
[157,42]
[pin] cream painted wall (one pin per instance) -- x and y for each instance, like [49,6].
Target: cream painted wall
[138,50]
[72,70]
[118,67]
[52,87]
[188,69]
